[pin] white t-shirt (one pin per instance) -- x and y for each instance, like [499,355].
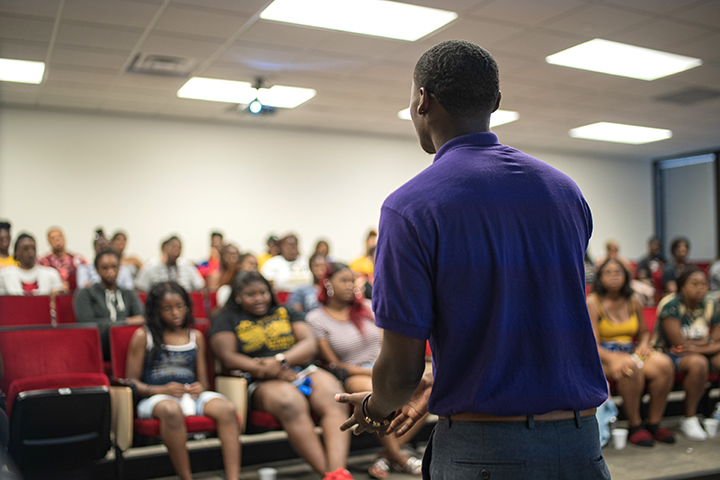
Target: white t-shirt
[287,276]
[39,280]
[184,272]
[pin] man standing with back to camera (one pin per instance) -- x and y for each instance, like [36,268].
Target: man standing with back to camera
[482,253]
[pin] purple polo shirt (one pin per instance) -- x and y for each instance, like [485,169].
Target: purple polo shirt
[482,253]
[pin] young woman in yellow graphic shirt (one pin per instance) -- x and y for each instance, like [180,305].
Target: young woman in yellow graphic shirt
[252,333]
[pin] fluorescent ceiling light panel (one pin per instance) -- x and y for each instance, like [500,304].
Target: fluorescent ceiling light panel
[620,133]
[624,60]
[499,117]
[230,91]
[380,18]
[22,71]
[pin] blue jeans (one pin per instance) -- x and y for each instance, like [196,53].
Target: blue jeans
[563,450]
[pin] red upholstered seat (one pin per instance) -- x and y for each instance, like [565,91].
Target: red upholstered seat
[120,336]
[64,309]
[51,382]
[58,398]
[198,300]
[20,310]
[282,297]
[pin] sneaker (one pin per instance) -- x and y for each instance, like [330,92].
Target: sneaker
[664,435]
[642,438]
[690,426]
[339,474]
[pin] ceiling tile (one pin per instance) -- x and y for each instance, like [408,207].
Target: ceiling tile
[539,44]
[66,101]
[23,51]
[155,82]
[41,8]
[106,37]
[597,20]
[71,56]
[706,48]
[659,34]
[355,44]
[653,7]
[261,57]
[112,12]
[528,12]
[243,6]
[19,28]
[181,47]
[197,22]
[707,13]
[285,35]
[64,75]
[129,106]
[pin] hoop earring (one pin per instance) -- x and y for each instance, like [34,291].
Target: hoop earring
[330,290]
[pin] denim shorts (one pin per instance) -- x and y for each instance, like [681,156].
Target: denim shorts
[562,450]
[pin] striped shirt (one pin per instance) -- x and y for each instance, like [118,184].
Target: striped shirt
[346,341]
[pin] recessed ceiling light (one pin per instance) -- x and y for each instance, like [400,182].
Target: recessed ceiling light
[624,60]
[615,58]
[380,18]
[22,71]
[620,133]
[499,117]
[230,91]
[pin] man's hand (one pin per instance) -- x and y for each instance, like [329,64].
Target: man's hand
[358,419]
[414,410]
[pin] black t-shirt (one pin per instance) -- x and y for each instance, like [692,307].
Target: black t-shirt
[259,336]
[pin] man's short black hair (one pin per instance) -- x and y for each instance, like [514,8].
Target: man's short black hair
[217,234]
[463,77]
[5,226]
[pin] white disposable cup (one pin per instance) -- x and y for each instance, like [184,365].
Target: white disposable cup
[267,474]
[620,436]
[711,426]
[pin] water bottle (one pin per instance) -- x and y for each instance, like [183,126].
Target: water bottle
[716,413]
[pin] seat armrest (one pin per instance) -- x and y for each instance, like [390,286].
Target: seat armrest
[235,389]
[122,416]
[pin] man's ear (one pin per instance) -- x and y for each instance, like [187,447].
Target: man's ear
[424,103]
[497,102]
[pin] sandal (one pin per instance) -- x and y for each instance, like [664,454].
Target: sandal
[413,466]
[380,468]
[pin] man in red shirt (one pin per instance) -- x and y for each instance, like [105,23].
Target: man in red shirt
[61,260]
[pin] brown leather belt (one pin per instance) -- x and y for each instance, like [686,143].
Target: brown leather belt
[554,416]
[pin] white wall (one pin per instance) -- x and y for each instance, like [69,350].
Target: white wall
[156,177]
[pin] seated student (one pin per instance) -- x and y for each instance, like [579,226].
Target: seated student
[6,259]
[246,263]
[617,317]
[688,330]
[60,259]
[349,343]
[106,302]
[715,280]
[679,249]
[212,264]
[612,249]
[172,268]
[87,274]
[267,342]
[272,250]
[229,266]
[305,298]
[288,271]
[118,242]
[166,361]
[652,262]
[365,265]
[28,278]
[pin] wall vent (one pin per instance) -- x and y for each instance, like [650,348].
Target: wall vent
[166,65]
